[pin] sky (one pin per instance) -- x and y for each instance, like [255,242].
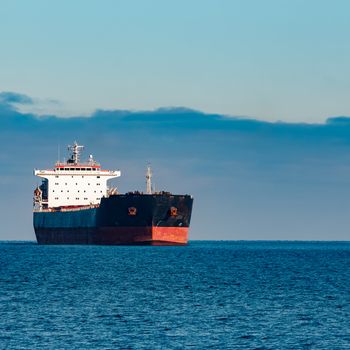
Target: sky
[243,104]
[250,179]
[269,60]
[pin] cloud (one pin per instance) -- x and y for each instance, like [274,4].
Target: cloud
[339,121]
[10,98]
[251,179]
[27,106]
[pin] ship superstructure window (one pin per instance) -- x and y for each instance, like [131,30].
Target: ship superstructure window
[83,169]
[56,176]
[66,168]
[98,177]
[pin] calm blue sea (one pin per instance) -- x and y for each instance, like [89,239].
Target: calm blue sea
[219,295]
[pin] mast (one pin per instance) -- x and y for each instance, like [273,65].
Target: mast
[75,152]
[149,180]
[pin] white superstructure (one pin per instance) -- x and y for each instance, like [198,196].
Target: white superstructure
[73,183]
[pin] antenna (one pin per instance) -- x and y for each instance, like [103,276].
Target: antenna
[149,180]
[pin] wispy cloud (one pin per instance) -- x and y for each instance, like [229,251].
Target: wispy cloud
[24,104]
[9,98]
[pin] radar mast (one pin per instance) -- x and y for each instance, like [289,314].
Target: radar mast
[75,158]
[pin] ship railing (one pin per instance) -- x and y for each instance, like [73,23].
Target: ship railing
[65,209]
[66,164]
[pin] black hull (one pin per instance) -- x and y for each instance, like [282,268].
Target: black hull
[161,219]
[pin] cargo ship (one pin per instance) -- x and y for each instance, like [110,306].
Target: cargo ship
[75,205]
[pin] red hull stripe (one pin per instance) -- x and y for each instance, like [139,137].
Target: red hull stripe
[114,235]
[170,234]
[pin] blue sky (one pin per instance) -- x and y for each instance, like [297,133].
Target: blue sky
[262,140]
[270,60]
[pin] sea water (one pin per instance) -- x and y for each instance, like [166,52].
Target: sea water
[219,295]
